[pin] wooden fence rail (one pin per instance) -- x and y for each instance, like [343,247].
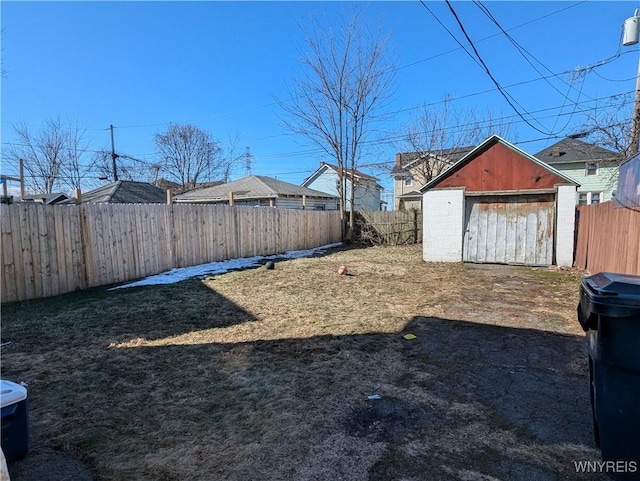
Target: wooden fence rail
[50,250]
[608,239]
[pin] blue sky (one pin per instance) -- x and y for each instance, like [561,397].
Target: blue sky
[221,65]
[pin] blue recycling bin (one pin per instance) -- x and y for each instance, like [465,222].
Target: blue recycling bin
[15,420]
[609,312]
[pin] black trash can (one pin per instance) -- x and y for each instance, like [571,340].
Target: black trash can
[609,312]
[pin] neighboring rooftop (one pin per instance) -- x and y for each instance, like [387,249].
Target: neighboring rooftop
[47,199]
[406,160]
[573,150]
[349,174]
[250,187]
[126,192]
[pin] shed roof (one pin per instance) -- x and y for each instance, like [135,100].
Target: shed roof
[483,147]
[248,188]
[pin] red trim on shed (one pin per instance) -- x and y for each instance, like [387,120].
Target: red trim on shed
[499,168]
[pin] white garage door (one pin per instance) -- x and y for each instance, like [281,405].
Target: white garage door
[509,229]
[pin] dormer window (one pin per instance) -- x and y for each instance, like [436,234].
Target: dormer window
[592,168]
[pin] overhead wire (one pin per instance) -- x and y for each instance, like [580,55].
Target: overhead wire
[508,98]
[397,137]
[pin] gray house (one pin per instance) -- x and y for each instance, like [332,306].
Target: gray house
[259,190]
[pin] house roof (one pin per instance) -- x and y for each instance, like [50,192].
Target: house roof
[573,150]
[414,194]
[47,199]
[126,192]
[484,146]
[409,159]
[324,166]
[248,188]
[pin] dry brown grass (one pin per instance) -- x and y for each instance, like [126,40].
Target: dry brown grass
[261,374]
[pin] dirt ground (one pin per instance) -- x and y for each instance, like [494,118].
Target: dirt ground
[308,375]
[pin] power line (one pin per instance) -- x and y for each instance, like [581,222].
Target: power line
[484,9]
[390,138]
[510,100]
[391,70]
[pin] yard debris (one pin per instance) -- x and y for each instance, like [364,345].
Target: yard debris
[342,270]
[270,265]
[409,336]
[371,397]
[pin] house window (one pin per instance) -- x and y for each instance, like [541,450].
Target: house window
[408,181]
[585,198]
[582,198]
[592,169]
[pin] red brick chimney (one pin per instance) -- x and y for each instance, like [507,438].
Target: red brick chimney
[398,160]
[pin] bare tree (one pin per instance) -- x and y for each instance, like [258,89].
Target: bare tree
[189,154]
[340,93]
[232,156]
[610,127]
[79,163]
[3,70]
[439,135]
[56,156]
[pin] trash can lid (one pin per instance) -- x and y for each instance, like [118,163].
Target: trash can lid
[613,284]
[11,393]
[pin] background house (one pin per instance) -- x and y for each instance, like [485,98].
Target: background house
[367,190]
[125,192]
[258,190]
[499,204]
[414,169]
[46,199]
[593,167]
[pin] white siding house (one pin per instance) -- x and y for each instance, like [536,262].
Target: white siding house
[593,167]
[367,190]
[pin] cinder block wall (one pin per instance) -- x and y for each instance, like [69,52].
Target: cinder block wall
[443,219]
[565,224]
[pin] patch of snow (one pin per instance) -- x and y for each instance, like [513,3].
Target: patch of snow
[183,273]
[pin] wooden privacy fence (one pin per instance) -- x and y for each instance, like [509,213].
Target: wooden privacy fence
[389,228]
[50,250]
[608,239]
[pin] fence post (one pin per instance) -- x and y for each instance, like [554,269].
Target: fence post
[415,226]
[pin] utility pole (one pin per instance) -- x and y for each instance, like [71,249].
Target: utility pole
[635,131]
[22,189]
[247,161]
[114,156]
[630,37]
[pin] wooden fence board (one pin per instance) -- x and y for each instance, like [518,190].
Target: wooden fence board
[608,239]
[8,263]
[49,250]
[395,227]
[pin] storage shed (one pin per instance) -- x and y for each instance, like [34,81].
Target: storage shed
[499,205]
